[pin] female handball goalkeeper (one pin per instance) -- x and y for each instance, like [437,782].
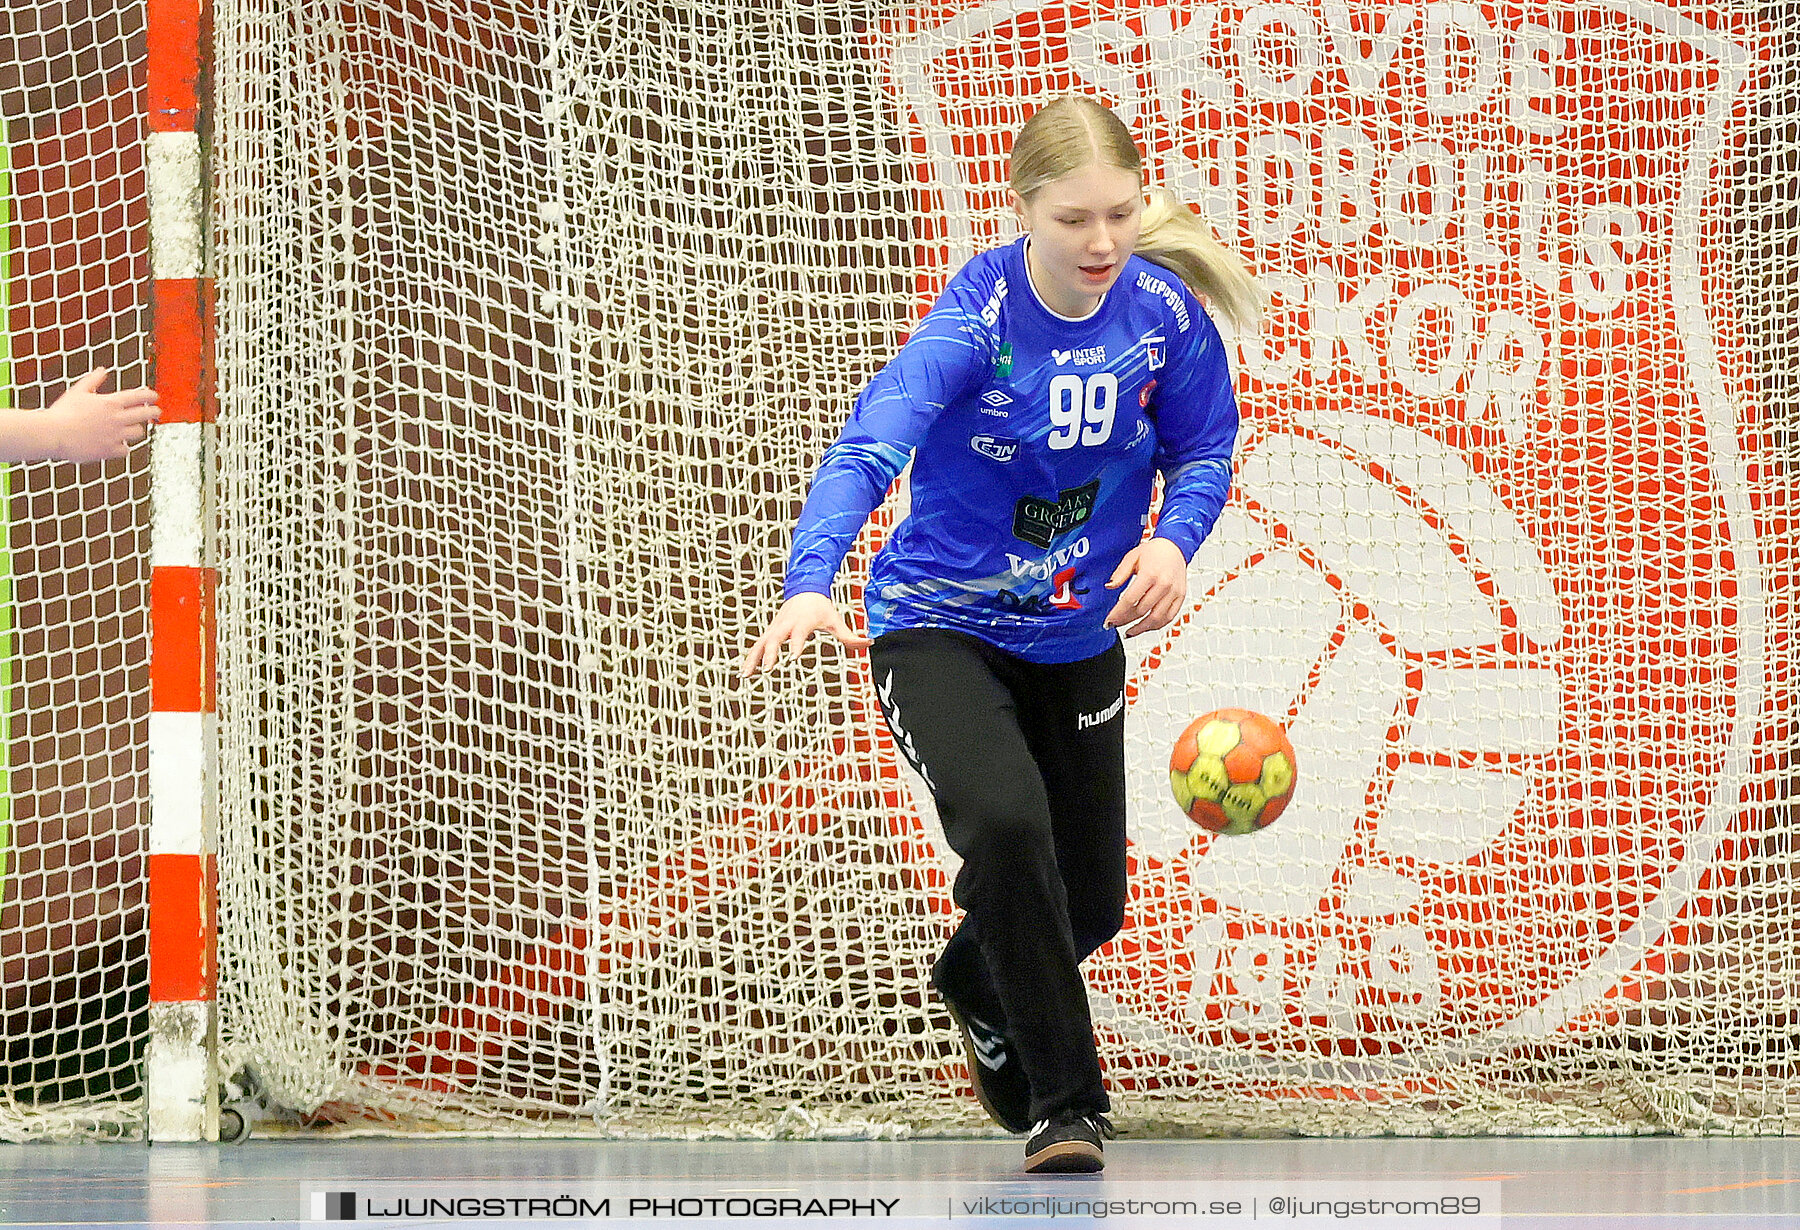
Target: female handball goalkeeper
[1050,382]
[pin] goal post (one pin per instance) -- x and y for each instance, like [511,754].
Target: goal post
[532,321]
[6,597]
[181,1070]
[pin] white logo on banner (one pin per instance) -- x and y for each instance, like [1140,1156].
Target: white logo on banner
[1430,508]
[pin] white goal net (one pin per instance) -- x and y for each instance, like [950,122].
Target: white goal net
[74,685]
[533,319]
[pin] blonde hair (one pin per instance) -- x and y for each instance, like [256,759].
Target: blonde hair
[1075,132]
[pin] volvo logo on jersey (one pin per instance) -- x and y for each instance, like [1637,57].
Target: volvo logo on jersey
[1037,520]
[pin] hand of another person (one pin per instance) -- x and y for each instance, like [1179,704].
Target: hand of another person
[85,424]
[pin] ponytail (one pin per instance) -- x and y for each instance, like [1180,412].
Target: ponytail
[1176,238]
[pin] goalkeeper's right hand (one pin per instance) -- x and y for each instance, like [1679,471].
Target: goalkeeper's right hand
[796,621]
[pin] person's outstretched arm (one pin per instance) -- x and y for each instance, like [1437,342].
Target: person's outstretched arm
[948,349]
[83,424]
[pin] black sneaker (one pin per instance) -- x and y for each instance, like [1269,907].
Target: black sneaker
[1001,1085]
[1068,1143]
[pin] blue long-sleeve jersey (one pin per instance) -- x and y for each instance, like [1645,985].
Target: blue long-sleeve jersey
[1034,439]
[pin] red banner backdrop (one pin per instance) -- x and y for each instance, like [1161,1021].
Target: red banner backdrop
[1493,551]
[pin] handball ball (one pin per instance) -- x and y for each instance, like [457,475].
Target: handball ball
[1232,771]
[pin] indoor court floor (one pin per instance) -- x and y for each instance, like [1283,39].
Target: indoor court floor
[1731,1184]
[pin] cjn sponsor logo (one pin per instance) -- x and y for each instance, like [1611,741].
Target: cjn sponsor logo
[995,448]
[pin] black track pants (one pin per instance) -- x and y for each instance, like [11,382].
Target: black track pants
[1026,762]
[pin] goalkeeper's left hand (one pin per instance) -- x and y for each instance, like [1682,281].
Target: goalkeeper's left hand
[1158,574]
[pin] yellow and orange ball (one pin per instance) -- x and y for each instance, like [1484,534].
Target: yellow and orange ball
[1232,771]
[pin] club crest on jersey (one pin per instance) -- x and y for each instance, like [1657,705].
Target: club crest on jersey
[1037,520]
[995,448]
[1156,350]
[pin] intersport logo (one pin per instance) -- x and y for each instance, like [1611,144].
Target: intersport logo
[1492,549]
